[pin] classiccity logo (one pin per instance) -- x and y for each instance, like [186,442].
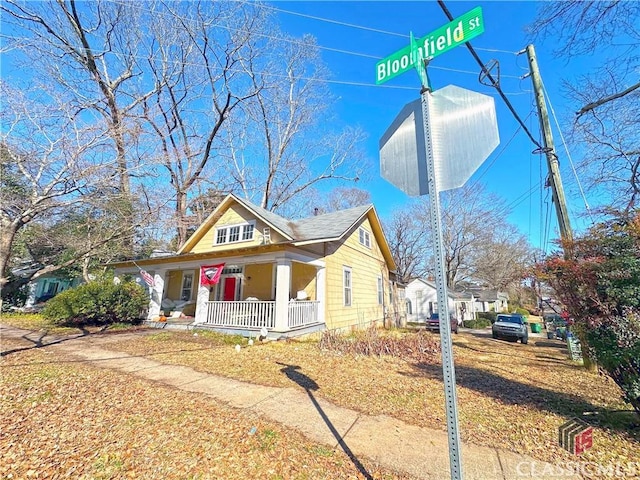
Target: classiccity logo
[575,436]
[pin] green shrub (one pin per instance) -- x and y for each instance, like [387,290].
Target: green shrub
[97,303]
[479,323]
[491,316]
[522,311]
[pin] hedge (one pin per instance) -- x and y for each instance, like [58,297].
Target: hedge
[479,323]
[490,316]
[97,303]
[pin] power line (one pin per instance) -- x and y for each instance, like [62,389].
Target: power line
[361,27]
[316,45]
[566,149]
[494,83]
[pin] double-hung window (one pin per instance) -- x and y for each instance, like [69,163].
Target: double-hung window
[234,234]
[380,292]
[365,237]
[247,231]
[347,287]
[187,285]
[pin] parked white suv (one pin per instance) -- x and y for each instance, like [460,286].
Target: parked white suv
[512,326]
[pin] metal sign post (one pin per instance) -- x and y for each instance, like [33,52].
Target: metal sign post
[459,131]
[448,370]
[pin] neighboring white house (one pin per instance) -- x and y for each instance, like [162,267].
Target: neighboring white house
[421,298]
[487,300]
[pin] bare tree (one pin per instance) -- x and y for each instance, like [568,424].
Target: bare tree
[285,143]
[200,52]
[88,49]
[48,167]
[408,244]
[480,245]
[606,127]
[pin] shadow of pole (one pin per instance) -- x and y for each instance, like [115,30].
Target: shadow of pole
[309,385]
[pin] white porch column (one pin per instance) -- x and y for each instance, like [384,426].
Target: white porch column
[321,293]
[283,292]
[156,293]
[201,303]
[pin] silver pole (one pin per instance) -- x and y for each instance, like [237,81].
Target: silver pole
[448,371]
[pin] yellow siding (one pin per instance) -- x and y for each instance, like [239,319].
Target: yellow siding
[258,280]
[367,264]
[303,277]
[173,284]
[235,215]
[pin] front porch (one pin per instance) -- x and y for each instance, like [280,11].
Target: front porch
[249,318]
[283,293]
[254,315]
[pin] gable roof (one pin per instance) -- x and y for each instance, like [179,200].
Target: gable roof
[328,226]
[319,228]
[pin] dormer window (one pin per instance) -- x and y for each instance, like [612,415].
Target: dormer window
[365,237]
[235,233]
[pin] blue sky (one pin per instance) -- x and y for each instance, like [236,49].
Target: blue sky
[512,171]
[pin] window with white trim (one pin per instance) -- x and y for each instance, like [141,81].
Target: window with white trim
[365,237]
[346,284]
[235,233]
[187,286]
[380,292]
[247,232]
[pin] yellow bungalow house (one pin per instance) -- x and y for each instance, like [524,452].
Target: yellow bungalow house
[292,277]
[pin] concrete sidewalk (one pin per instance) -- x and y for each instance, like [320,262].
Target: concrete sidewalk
[420,452]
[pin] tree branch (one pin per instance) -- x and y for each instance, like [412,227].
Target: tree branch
[604,100]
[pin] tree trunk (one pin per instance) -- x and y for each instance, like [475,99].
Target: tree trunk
[181,217]
[9,230]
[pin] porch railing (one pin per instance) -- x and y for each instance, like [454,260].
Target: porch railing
[303,313]
[258,314]
[243,314]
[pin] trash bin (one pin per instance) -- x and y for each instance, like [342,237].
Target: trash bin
[535,328]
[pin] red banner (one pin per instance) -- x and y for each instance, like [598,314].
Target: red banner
[210,274]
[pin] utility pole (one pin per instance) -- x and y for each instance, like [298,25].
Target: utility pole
[552,159]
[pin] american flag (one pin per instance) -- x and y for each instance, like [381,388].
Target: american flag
[148,278]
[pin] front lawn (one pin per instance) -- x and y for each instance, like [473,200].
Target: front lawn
[510,395]
[60,418]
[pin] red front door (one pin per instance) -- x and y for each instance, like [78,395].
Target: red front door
[229,292]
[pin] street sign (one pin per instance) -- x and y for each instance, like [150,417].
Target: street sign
[464,131]
[457,133]
[454,33]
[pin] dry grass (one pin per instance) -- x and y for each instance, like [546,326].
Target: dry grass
[510,395]
[60,418]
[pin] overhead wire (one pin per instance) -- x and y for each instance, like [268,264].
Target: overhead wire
[476,181]
[494,83]
[526,195]
[322,47]
[568,153]
[361,27]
